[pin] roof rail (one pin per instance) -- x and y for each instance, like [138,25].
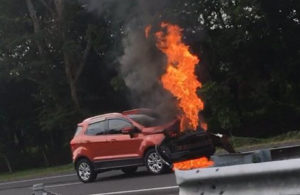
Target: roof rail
[138,111]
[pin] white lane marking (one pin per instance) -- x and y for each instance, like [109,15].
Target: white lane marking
[36,179]
[65,184]
[141,190]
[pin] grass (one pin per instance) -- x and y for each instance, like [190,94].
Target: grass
[239,143]
[36,172]
[243,142]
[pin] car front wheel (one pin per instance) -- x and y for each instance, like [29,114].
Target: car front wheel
[85,171]
[154,163]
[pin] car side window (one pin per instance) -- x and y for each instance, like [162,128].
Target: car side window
[116,125]
[98,128]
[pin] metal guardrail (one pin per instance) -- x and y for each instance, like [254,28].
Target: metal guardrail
[252,173]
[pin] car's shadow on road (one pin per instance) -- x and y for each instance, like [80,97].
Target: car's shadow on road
[121,176]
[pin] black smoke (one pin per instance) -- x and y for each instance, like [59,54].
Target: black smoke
[141,63]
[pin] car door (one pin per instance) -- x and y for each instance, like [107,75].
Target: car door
[122,145]
[96,140]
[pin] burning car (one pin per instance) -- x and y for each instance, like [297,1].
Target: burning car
[134,138]
[119,141]
[140,137]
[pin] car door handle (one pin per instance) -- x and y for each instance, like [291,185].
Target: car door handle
[113,140]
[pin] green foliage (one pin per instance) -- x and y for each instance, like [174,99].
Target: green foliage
[249,51]
[248,68]
[289,137]
[220,106]
[37,172]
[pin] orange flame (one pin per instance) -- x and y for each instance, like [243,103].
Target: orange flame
[179,78]
[203,125]
[201,162]
[147,30]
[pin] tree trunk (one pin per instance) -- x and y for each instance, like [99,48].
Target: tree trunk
[45,158]
[70,69]
[71,81]
[36,24]
[73,69]
[8,164]
[74,95]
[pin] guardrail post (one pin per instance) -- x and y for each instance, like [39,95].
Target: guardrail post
[38,189]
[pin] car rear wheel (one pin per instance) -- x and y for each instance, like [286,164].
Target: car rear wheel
[154,163]
[85,171]
[129,170]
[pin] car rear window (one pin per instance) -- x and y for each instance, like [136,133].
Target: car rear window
[78,130]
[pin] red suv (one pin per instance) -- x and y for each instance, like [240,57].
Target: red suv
[119,141]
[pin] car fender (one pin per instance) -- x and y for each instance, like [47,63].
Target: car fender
[151,141]
[81,152]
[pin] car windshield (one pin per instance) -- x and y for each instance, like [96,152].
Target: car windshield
[146,120]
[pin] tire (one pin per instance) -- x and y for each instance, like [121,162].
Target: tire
[129,170]
[85,171]
[154,163]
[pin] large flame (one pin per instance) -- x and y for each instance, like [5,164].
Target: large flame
[179,78]
[201,162]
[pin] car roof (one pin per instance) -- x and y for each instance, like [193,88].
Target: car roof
[116,115]
[102,117]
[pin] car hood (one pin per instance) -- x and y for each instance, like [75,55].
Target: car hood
[172,125]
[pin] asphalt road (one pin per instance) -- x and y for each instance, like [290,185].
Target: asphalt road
[108,183]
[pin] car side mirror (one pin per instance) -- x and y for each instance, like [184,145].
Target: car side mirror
[128,130]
